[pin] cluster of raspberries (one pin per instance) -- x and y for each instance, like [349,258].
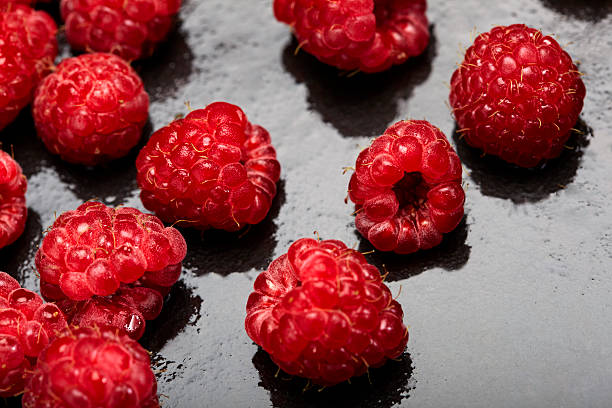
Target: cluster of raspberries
[107,270]
[321,310]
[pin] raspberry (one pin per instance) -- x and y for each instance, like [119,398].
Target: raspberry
[92,109]
[125,310]
[211,169]
[27,50]
[131,28]
[92,367]
[26,327]
[93,249]
[322,312]
[369,35]
[407,188]
[517,95]
[13,210]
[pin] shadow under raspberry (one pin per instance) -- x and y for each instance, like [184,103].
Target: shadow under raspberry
[497,178]
[588,10]
[450,255]
[222,252]
[389,386]
[181,308]
[169,68]
[363,104]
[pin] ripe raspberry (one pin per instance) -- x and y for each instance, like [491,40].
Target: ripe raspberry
[27,50]
[125,310]
[369,35]
[92,109]
[131,28]
[322,312]
[92,367]
[211,169]
[517,95]
[407,188]
[13,210]
[26,327]
[93,249]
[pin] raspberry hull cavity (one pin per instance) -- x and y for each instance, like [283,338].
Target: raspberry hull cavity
[130,29]
[27,325]
[92,367]
[407,188]
[323,313]
[94,249]
[365,35]
[517,95]
[27,50]
[92,109]
[212,169]
[13,210]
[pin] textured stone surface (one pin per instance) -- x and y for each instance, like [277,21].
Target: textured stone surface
[513,309]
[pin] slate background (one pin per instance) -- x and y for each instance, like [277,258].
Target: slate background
[512,310]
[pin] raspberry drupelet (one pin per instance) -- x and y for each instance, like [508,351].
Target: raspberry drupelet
[27,50]
[323,313]
[13,210]
[92,367]
[517,95]
[94,249]
[126,310]
[130,29]
[366,35]
[407,188]
[27,325]
[212,169]
[91,109]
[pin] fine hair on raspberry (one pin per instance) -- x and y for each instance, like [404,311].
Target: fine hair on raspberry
[94,249]
[365,35]
[517,95]
[13,210]
[28,48]
[92,367]
[212,169]
[407,188]
[323,313]
[92,109]
[27,325]
[130,29]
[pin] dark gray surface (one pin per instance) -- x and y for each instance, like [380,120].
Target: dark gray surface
[512,310]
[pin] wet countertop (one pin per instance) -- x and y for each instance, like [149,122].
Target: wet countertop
[513,309]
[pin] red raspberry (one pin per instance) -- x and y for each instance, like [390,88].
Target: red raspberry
[369,35]
[26,327]
[92,367]
[92,109]
[27,50]
[407,188]
[130,28]
[211,169]
[125,310]
[322,312]
[517,95]
[13,210]
[93,249]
